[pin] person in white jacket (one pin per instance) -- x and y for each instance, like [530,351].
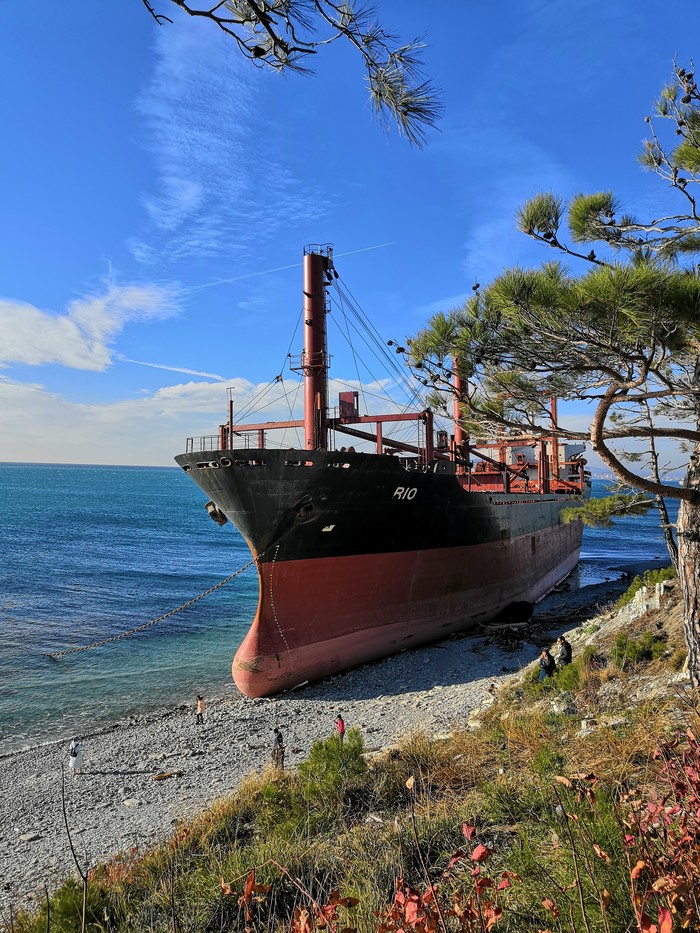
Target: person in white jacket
[75,757]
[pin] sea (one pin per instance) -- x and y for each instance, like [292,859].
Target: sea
[89,552]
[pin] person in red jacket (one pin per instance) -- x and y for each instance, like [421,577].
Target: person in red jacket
[340,725]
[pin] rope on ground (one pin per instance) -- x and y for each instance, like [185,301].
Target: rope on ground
[140,628]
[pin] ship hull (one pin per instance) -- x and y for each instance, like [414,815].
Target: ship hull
[359,559]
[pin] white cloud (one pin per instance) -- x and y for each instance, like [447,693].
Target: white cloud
[152,429]
[218,169]
[81,337]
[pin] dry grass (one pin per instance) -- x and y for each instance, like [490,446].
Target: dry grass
[364,836]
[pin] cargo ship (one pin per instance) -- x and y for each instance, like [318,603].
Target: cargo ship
[362,553]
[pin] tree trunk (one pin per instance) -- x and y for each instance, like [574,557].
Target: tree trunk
[671,545]
[688,531]
[688,534]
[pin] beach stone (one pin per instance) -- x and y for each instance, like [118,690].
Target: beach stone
[564,703]
[443,689]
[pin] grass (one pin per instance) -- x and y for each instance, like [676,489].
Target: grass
[541,795]
[649,578]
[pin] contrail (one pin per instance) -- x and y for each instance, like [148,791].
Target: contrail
[365,248]
[294,265]
[174,369]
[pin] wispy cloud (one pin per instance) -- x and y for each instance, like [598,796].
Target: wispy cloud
[203,114]
[81,337]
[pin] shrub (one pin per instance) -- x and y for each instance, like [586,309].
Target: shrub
[628,650]
[332,770]
[650,578]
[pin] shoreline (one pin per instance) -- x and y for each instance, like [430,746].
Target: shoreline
[564,599]
[116,805]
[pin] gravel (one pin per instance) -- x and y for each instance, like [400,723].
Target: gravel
[116,805]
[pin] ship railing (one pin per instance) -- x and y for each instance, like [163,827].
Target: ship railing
[199,444]
[210,442]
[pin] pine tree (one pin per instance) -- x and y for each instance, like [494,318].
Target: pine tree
[624,335]
[284,35]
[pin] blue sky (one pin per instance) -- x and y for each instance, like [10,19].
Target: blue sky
[152,178]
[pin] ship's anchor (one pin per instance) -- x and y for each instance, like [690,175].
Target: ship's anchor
[141,628]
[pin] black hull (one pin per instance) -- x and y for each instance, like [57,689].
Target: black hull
[342,504]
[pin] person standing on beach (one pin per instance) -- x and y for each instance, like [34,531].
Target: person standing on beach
[563,652]
[340,726]
[75,757]
[278,750]
[200,710]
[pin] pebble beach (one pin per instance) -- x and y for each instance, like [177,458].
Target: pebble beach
[117,803]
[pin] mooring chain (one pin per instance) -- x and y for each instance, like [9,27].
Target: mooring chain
[140,628]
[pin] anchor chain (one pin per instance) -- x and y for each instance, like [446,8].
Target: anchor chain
[141,628]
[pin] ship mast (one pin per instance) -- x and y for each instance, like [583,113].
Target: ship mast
[460,450]
[318,262]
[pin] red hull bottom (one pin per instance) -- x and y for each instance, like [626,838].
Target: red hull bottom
[318,617]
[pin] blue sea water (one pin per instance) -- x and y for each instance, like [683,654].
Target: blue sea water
[91,551]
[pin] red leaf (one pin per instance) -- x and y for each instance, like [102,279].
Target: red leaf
[550,905]
[665,920]
[481,853]
[638,869]
[348,901]
[468,831]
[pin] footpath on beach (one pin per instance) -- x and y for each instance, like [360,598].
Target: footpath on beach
[143,776]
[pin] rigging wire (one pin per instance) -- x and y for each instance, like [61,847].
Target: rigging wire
[374,346]
[352,321]
[248,408]
[414,394]
[261,394]
[354,358]
[281,397]
[290,408]
[367,324]
[383,361]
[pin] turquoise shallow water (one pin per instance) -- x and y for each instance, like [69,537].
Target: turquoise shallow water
[88,552]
